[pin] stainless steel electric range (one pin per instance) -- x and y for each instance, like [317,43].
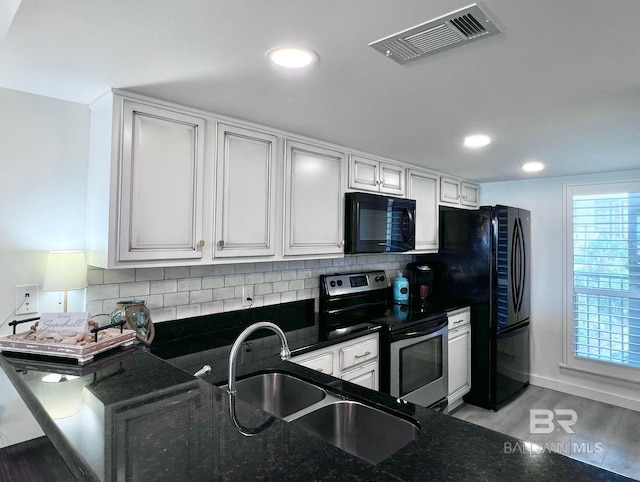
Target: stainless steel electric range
[413,342]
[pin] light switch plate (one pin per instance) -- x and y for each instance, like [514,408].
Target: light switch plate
[28,294]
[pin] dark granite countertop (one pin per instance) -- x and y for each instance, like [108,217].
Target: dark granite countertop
[139,417]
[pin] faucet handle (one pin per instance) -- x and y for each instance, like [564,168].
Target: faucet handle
[285,353]
[203,371]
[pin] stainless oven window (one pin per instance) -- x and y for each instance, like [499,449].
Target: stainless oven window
[420,364]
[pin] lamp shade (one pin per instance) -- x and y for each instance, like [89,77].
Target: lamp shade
[66,271]
[61,394]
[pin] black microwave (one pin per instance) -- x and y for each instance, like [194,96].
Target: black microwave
[379,224]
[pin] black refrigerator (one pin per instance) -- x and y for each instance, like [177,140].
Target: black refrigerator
[484,260]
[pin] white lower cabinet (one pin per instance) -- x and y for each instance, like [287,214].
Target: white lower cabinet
[355,360]
[459,356]
[321,361]
[365,376]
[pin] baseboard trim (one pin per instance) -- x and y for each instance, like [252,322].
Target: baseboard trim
[590,393]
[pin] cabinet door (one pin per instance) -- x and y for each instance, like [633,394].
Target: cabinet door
[469,194]
[449,190]
[133,436]
[314,200]
[392,179]
[245,192]
[363,174]
[423,187]
[161,184]
[366,376]
[459,362]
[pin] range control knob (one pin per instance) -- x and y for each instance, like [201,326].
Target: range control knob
[339,282]
[379,278]
[333,284]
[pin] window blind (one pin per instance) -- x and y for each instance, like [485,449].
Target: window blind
[606,278]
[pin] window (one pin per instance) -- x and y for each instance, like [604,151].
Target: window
[603,302]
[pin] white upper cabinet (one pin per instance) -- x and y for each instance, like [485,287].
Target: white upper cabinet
[449,190]
[423,187]
[469,194]
[161,184]
[314,199]
[173,186]
[456,192]
[145,184]
[245,193]
[367,174]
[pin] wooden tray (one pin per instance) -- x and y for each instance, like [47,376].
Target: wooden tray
[81,353]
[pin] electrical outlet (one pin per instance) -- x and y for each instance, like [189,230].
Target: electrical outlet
[247,296]
[26,299]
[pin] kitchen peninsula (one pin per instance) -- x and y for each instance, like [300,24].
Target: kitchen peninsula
[140,417]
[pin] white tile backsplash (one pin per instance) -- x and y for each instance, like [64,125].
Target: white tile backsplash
[189,284]
[183,291]
[165,286]
[149,274]
[131,290]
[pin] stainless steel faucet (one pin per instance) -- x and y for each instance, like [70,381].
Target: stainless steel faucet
[284,352]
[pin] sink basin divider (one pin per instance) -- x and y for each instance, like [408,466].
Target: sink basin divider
[328,400]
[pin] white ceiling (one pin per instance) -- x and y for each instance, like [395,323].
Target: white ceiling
[560,84]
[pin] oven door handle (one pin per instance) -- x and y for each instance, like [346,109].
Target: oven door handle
[417,334]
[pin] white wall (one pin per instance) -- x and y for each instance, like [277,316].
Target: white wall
[44,150]
[544,198]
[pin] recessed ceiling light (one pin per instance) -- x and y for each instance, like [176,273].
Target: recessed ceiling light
[533,166]
[475,141]
[292,57]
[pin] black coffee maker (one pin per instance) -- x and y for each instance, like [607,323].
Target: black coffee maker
[420,283]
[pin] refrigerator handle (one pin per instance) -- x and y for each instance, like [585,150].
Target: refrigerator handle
[513,330]
[518,265]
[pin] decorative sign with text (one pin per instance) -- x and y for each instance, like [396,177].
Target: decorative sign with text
[66,324]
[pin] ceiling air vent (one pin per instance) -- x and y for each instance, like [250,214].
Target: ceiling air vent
[442,33]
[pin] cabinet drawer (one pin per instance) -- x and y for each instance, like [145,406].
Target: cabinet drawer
[353,355]
[459,318]
[322,362]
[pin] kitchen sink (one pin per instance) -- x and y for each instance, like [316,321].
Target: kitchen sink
[279,394]
[363,431]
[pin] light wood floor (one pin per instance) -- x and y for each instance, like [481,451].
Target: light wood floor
[608,436]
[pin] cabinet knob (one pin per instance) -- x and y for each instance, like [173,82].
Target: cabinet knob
[319,370]
[221,244]
[201,243]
